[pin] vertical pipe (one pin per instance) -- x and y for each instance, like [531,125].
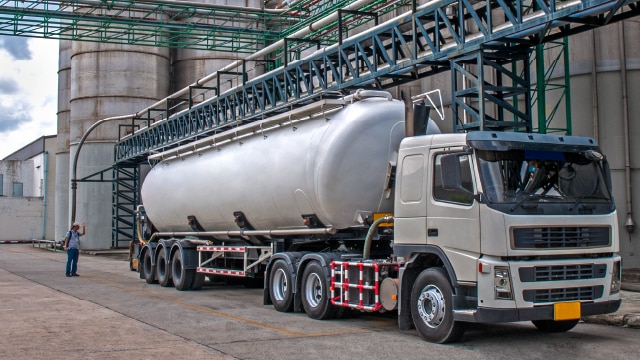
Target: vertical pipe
[629,224]
[594,88]
[540,88]
[44,195]
[567,85]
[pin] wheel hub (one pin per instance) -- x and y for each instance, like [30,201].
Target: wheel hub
[431,306]
[313,290]
[280,286]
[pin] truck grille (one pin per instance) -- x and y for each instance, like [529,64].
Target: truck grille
[560,237]
[563,272]
[587,293]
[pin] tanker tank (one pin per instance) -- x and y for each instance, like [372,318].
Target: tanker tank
[334,166]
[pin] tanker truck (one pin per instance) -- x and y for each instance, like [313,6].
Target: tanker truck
[359,203]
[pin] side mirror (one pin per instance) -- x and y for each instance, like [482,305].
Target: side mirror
[451,174]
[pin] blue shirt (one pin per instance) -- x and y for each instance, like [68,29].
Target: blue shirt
[74,239]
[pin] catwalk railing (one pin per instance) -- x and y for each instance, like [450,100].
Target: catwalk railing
[420,43]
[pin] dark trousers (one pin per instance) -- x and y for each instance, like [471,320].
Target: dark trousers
[72,261]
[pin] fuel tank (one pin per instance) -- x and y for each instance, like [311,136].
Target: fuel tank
[332,166]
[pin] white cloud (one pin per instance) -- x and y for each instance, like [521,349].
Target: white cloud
[28,91]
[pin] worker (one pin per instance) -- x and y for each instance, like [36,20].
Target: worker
[72,247]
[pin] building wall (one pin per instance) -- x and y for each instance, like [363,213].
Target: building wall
[21,218]
[32,215]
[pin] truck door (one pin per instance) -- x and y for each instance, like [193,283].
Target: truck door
[453,221]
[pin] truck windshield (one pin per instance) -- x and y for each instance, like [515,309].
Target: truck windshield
[522,177]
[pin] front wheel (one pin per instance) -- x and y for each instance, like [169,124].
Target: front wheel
[315,293]
[432,307]
[552,326]
[280,287]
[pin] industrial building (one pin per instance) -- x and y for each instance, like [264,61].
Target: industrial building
[592,88]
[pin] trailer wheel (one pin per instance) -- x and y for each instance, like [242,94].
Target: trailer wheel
[315,295]
[182,278]
[552,326]
[164,276]
[432,305]
[281,287]
[147,269]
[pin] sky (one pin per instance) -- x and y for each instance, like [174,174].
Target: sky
[28,91]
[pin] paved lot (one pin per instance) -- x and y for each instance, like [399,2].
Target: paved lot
[109,313]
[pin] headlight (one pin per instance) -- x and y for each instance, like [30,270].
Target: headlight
[502,283]
[615,278]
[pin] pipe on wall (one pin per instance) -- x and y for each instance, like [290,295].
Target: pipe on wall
[44,194]
[629,224]
[594,88]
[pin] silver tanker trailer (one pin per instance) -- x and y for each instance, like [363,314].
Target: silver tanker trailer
[340,208]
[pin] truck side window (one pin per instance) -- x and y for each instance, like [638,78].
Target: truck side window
[453,196]
[412,178]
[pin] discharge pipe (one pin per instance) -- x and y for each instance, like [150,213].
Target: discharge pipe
[74,168]
[366,252]
[629,223]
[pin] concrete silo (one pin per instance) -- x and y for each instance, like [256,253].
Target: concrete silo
[62,154]
[107,80]
[190,65]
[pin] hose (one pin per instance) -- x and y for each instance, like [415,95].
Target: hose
[367,241]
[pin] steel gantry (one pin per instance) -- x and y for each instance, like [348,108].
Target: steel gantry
[435,37]
[164,23]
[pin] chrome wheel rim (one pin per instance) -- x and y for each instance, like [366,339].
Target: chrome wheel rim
[431,306]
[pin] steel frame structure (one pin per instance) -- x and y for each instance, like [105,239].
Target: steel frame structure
[415,45]
[162,23]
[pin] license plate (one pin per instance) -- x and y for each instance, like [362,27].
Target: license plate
[566,311]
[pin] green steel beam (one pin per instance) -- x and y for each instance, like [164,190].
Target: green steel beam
[163,23]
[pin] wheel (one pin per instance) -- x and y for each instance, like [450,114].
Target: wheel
[164,276]
[552,326]
[432,305]
[315,293]
[148,270]
[198,281]
[182,278]
[280,287]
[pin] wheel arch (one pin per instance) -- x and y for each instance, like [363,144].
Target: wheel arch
[291,259]
[148,247]
[421,258]
[188,254]
[325,260]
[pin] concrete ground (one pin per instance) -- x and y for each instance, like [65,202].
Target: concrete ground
[629,313]
[109,313]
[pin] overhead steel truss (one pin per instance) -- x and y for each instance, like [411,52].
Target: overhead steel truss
[163,23]
[430,39]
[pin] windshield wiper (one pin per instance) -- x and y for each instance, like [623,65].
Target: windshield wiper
[579,200]
[526,198]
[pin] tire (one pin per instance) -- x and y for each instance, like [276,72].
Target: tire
[432,307]
[315,293]
[198,281]
[551,326]
[281,287]
[148,270]
[162,271]
[182,278]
